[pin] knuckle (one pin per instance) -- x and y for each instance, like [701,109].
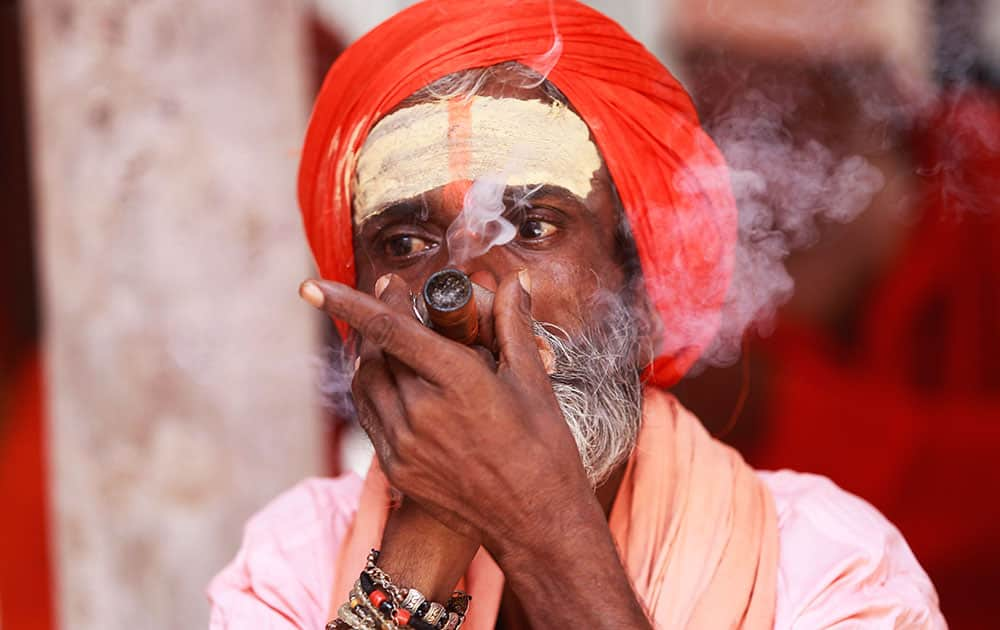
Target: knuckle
[420,411]
[380,329]
[405,444]
[439,373]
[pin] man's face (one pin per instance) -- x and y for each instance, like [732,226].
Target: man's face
[565,225]
[565,240]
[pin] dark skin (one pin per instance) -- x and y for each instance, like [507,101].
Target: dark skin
[514,482]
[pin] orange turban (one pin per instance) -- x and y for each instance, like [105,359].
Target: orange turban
[670,176]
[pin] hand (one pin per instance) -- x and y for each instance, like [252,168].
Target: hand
[486,452]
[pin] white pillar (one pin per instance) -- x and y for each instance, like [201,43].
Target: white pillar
[165,137]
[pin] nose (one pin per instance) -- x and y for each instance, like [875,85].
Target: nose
[484,279]
[490,268]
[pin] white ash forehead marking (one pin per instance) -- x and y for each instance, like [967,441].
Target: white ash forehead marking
[409,151]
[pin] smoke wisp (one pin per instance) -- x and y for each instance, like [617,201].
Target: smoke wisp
[482,223]
[786,185]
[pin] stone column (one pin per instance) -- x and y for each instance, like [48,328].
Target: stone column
[164,139]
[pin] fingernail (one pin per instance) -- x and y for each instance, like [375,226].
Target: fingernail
[547,354]
[357,363]
[525,279]
[311,293]
[548,361]
[380,285]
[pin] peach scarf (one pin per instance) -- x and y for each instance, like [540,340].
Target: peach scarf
[695,528]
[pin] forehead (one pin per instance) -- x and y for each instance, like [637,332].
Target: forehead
[511,141]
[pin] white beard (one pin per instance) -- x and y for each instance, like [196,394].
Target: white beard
[598,387]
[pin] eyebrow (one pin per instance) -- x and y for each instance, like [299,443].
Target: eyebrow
[545,191]
[406,209]
[413,208]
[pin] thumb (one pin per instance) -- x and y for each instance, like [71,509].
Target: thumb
[512,317]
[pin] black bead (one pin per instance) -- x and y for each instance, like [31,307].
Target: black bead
[419,624]
[387,609]
[442,621]
[423,608]
[367,583]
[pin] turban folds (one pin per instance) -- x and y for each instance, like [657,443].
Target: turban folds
[671,178]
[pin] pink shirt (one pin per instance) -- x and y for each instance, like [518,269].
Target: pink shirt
[841,563]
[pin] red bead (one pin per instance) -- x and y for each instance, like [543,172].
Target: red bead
[402,616]
[377,597]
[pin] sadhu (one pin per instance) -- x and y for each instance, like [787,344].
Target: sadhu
[541,476]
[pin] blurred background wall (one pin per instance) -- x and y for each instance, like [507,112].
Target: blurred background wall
[157,375]
[176,357]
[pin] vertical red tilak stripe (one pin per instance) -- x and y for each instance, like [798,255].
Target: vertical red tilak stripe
[459,151]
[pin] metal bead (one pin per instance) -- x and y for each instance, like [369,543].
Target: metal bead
[435,613]
[413,600]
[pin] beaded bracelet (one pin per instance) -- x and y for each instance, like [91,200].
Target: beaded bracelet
[362,606]
[377,603]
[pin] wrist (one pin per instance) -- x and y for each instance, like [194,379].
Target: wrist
[420,551]
[550,538]
[580,569]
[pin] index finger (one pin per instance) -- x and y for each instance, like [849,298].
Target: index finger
[397,334]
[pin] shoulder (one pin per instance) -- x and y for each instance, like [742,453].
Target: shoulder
[282,574]
[842,564]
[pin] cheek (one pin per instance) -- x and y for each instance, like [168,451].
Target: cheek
[564,286]
[562,292]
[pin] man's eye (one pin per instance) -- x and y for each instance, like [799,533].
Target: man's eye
[534,229]
[405,245]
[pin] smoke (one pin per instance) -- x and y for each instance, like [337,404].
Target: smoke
[485,219]
[545,62]
[966,47]
[481,224]
[795,134]
[989,35]
[787,183]
[334,372]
